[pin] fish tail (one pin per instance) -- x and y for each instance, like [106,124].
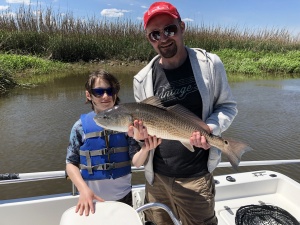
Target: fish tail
[234,151]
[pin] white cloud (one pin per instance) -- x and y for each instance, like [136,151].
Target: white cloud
[26,2]
[3,7]
[113,12]
[144,7]
[187,20]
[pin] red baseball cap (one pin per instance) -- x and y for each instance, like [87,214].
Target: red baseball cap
[160,8]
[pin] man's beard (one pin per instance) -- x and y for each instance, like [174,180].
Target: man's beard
[168,52]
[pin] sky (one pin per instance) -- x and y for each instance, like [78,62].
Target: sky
[238,14]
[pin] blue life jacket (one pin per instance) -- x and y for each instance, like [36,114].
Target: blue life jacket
[98,160]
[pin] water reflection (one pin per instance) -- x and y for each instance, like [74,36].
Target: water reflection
[291,88]
[35,126]
[288,85]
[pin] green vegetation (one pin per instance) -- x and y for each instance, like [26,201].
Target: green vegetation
[261,64]
[26,70]
[38,42]
[16,63]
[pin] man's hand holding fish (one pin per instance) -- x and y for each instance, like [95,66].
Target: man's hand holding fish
[199,140]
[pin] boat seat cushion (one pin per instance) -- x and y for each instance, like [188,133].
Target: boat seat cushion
[108,213]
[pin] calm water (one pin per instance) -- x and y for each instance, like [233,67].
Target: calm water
[35,125]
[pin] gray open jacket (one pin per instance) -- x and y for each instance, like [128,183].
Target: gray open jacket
[219,107]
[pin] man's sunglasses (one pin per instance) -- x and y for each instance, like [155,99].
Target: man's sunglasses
[169,31]
[98,92]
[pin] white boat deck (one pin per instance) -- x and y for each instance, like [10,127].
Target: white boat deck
[256,188]
[260,187]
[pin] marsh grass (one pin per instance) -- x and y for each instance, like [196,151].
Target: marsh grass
[6,82]
[67,38]
[218,38]
[16,63]
[27,70]
[56,36]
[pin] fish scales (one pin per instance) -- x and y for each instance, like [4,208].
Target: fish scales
[160,123]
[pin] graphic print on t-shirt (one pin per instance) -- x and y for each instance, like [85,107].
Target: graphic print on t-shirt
[177,89]
[177,86]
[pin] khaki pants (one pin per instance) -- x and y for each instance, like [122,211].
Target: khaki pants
[192,200]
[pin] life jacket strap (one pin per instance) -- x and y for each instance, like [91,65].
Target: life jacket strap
[104,151]
[106,166]
[101,133]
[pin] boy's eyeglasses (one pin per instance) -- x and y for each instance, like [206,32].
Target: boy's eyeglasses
[169,31]
[98,92]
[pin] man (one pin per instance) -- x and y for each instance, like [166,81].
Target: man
[197,80]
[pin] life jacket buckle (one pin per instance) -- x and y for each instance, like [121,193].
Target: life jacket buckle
[110,166]
[111,150]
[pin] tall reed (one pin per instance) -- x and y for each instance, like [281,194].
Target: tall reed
[216,38]
[67,38]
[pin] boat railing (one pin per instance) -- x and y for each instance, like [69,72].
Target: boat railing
[10,178]
[161,206]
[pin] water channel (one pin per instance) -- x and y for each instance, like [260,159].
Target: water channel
[35,125]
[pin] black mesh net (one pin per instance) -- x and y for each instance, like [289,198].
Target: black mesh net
[264,215]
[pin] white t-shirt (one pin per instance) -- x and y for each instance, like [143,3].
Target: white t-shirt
[111,189]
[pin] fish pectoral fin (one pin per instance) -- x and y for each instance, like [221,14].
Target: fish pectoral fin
[188,146]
